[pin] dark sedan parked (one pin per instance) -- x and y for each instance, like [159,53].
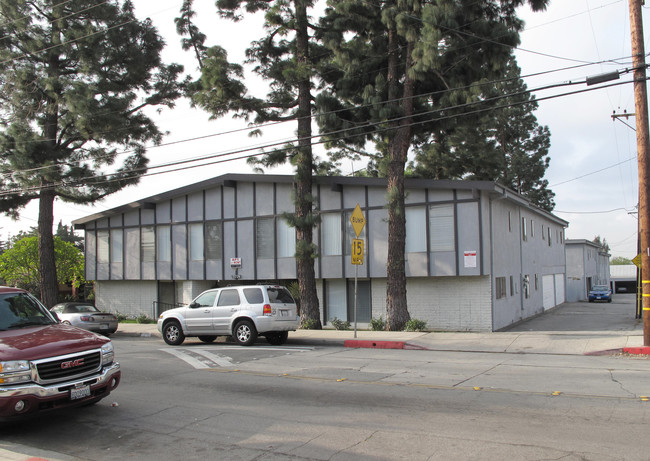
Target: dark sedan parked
[86,316]
[600,293]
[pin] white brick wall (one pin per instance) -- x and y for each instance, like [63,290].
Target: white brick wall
[130,298]
[445,303]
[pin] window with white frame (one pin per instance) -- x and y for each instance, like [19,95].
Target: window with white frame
[286,239]
[416,225]
[213,239]
[196,241]
[102,247]
[265,237]
[164,243]
[331,234]
[524,229]
[441,228]
[148,244]
[117,246]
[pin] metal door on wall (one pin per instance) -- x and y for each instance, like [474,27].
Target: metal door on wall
[548,291]
[364,312]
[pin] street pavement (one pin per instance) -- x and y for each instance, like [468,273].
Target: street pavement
[570,329]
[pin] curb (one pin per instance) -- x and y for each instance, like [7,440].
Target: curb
[359,343]
[643,350]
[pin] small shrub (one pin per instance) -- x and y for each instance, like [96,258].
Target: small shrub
[340,324]
[120,317]
[415,325]
[378,324]
[144,319]
[309,324]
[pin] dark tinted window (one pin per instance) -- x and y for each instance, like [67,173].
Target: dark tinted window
[254,295]
[19,309]
[228,298]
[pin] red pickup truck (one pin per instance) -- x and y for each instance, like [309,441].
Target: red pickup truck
[46,365]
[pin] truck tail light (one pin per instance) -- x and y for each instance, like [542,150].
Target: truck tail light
[267,309]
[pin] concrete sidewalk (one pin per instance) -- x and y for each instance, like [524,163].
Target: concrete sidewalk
[572,328]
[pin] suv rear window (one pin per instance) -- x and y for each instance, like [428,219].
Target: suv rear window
[279,295]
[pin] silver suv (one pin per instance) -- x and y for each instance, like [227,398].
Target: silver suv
[243,312]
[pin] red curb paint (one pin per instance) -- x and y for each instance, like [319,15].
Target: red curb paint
[358,343]
[637,350]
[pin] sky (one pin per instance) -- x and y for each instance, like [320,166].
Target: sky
[593,167]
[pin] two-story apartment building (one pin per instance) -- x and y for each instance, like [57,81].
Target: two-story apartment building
[479,257]
[587,265]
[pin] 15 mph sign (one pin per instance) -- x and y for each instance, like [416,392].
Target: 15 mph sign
[358,223]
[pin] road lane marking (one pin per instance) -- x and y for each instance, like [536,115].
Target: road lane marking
[196,363]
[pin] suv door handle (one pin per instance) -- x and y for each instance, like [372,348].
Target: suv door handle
[233,309]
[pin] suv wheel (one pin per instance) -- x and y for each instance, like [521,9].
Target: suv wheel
[173,333]
[277,338]
[244,333]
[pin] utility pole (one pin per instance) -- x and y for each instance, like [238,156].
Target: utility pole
[643,148]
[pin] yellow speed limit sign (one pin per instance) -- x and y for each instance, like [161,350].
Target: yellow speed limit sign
[357,251]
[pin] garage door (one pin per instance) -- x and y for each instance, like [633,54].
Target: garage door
[548,290]
[559,289]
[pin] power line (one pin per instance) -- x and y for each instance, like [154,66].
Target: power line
[435,93]
[81,183]
[593,172]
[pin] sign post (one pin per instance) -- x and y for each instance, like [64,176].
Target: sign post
[358,222]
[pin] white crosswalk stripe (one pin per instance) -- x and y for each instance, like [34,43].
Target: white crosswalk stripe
[200,358]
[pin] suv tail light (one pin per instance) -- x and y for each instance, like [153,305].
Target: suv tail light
[267,309]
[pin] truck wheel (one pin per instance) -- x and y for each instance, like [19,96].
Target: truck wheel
[173,333]
[244,333]
[277,338]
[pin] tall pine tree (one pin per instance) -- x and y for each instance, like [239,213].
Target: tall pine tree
[76,76]
[502,142]
[403,64]
[283,58]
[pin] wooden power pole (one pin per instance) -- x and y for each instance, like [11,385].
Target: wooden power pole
[643,148]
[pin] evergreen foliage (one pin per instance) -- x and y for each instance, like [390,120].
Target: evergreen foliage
[502,143]
[76,76]
[406,71]
[284,58]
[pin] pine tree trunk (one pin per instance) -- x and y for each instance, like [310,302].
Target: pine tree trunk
[47,265]
[396,305]
[309,308]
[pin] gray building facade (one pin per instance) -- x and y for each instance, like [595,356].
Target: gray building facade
[478,256]
[587,265]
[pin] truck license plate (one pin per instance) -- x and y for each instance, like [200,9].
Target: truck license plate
[79,392]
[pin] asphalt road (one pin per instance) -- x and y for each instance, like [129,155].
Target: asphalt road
[331,403]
